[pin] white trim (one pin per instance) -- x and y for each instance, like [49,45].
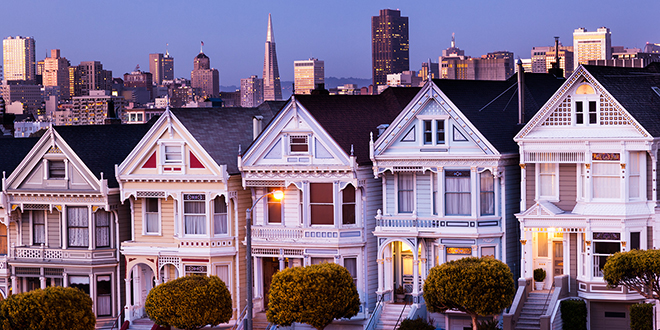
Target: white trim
[144,217]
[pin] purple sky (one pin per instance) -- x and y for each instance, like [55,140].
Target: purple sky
[122,33]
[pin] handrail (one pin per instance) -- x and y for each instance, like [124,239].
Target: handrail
[401,314]
[545,305]
[379,305]
[115,325]
[239,319]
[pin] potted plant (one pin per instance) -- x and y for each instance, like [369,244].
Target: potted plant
[539,277]
[400,293]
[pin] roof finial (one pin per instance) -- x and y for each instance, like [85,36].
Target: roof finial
[201,48]
[453,40]
[239,149]
[351,149]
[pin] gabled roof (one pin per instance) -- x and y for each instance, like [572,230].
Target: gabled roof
[633,89]
[12,152]
[492,106]
[100,147]
[350,119]
[220,131]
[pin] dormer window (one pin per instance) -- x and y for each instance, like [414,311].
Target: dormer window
[299,143]
[173,154]
[586,106]
[434,132]
[56,169]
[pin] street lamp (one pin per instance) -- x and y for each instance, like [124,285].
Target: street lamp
[278,195]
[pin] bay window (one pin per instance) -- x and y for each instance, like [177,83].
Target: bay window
[194,214]
[274,207]
[605,244]
[321,203]
[219,215]
[634,174]
[38,228]
[151,216]
[487,193]
[457,193]
[606,179]
[406,192]
[102,228]
[78,227]
[548,181]
[348,205]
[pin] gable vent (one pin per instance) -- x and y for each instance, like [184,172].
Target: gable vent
[553,157]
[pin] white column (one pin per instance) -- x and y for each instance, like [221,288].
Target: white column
[281,260]
[381,274]
[14,284]
[92,291]
[415,291]
[127,308]
[473,188]
[42,282]
[65,234]
[65,280]
[90,228]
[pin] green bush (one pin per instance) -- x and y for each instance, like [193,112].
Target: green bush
[539,275]
[641,317]
[190,302]
[416,324]
[54,308]
[574,314]
[489,325]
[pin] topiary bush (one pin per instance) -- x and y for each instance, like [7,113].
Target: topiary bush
[641,316]
[190,302]
[54,308]
[539,275]
[574,314]
[416,324]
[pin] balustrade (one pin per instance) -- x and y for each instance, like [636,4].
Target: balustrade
[41,253]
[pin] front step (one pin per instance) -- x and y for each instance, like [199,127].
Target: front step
[141,324]
[390,315]
[532,310]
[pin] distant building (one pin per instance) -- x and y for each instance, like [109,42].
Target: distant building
[24,128]
[252,91]
[543,57]
[453,51]
[29,95]
[628,58]
[346,89]
[595,45]
[231,99]
[161,67]
[56,73]
[90,76]
[307,74]
[527,65]
[493,66]
[403,79]
[204,78]
[141,115]
[652,48]
[271,76]
[139,80]
[96,107]
[18,59]
[389,45]
[429,69]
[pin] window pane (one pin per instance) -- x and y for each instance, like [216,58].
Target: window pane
[488,252]
[406,192]
[542,246]
[194,217]
[348,206]
[102,228]
[56,169]
[222,272]
[320,192]
[351,265]
[322,215]
[592,112]
[274,207]
[457,193]
[299,143]
[606,180]
[39,227]
[173,154]
[152,204]
[78,226]
[428,132]
[219,215]
[487,195]
[440,132]
[634,241]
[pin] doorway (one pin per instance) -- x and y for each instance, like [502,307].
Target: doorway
[270,267]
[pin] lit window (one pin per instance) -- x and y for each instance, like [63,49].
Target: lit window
[274,207]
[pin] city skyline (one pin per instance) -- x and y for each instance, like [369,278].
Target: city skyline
[234,33]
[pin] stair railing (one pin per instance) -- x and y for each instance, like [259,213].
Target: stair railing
[400,315]
[116,324]
[547,299]
[372,320]
[240,320]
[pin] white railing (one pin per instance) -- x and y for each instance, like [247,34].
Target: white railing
[270,233]
[408,223]
[39,253]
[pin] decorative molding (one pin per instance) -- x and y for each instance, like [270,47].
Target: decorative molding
[320,173]
[55,199]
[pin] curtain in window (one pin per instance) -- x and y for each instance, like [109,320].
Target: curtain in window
[194,217]
[547,179]
[103,295]
[39,227]
[606,180]
[351,265]
[487,195]
[406,193]
[634,176]
[219,215]
[151,215]
[222,272]
[102,228]
[78,226]
[457,192]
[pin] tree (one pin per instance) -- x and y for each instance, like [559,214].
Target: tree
[314,295]
[475,286]
[637,270]
[54,308]
[190,302]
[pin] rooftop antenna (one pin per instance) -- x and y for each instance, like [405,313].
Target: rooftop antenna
[453,40]
[201,48]
[167,51]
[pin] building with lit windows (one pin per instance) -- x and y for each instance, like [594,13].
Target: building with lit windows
[95,108]
[18,60]
[389,45]
[307,75]
[594,45]
[90,76]
[271,76]
[544,57]
[204,78]
[252,91]
[161,67]
[492,66]
[56,73]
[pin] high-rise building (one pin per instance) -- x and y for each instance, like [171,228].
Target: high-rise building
[140,81]
[252,91]
[203,78]
[18,59]
[492,66]
[595,45]
[307,75]
[161,67]
[652,48]
[168,67]
[56,73]
[272,86]
[92,77]
[389,45]
[96,107]
[429,70]
[544,57]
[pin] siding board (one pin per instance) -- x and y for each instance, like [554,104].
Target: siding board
[54,229]
[390,193]
[530,185]
[423,192]
[510,223]
[567,187]
[372,193]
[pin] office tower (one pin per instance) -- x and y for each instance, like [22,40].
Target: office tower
[142,85]
[308,74]
[19,60]
[429,70]
[272,86]
[168,67]
[544,57]
[389,45]
[252,91]
[203,78]
[96,107]
[652,48]
[92,77]
[161,67]
[492,66]
[591,45]
[453,51]
[56,73]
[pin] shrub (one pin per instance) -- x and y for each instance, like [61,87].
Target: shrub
[489,325]
[416,324]
[539,275]
[190,302]
[641,317]
[574,314]
[54,308]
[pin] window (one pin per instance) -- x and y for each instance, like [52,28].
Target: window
[635,243]
[605,244]
[321,200]
[406,192]
[488,252]
[351,265]
[585,106]
[548,181]
[431,127]
[38,228]
[3,239]
[102,228]
[440,132]
[634,173]
[299,143]
[194,214]
[593,114]
[579,113]
[318,260]
[274,207]
[79,282]
[56,169]
[219,215]
[173,154]
[428,132]
[222,271]
[542,245]
[606,179]
[151,216]
[434,183]
[78,225]
[487,193]
[457,194]
[348,205]
[103,295]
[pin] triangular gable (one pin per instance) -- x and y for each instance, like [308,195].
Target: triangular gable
[294,137]
[431,103]
[558,112]
[541,209]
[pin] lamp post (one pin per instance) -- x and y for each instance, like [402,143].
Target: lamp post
[278,195]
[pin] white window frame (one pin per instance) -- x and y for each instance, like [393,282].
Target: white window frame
[226,214]
[49,162]
[354,203]
[593,175]
[641,175]
[96,226]
[229,265]
[307,138]
[585,99]
[471,192]
[555,193]
[144,218]
[356,280]
[481,250]
[434,130]
[33,231]
[163,152]
[206,217]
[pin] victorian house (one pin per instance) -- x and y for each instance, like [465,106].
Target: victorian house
[63,213]
[186,200]
[451,180]
[317,151]
[589,160]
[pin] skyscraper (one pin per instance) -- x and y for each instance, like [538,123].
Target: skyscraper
[272,87]
[204,78]
[389,45]
[591,45]
[168,67]
[19,60]
[307,74]
[56,73]
[252,92]
[161,67]
[92,78]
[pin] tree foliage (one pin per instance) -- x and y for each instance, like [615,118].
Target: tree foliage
[476,286]
[54,308]
[637,270]
[190,302]
[573,314]
[314,295]
[641,316]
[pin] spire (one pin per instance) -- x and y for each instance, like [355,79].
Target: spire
[453,40]
[270,36]
[201,48]
[167,51]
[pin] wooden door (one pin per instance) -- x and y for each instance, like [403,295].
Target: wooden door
[557,258]
[270,267]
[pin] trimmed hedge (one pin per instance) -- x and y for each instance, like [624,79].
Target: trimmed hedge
[415,324]
[641,317]
[574,314]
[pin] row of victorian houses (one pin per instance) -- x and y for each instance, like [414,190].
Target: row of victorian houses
[536,171]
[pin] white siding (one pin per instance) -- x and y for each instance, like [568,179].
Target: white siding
[54,229]
[391,207]
[291,206]
[372,191]
[424,201]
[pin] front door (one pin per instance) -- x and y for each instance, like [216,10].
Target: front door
[271,266]
[557,258]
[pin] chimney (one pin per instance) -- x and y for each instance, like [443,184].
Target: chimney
[555,68]
[382,128]
[256,126]
[521,93]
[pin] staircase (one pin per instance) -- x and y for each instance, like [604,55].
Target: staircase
[259,321]
[141,324]
[390,315]
[532,310]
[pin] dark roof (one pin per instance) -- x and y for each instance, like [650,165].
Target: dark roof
[12,151]
[350,119]
[201,55]
[632,88]
[221,131]
[100,147]
[492,106]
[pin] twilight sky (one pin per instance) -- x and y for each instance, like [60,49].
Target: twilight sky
[122,33]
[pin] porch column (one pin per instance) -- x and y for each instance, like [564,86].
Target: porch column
[282,265]
[65,233]
[42,282]
[127,308]
[65,280]
[381,274]
[90,229]
[14,287]
[441,254]
[92,291]
[415,291]
[387,268]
